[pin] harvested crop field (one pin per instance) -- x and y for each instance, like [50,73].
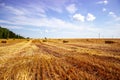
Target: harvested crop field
[60,59]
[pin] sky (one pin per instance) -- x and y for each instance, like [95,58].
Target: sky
[62,18]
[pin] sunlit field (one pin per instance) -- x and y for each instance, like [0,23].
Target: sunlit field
[60,59]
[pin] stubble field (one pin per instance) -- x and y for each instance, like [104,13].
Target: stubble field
[60,59]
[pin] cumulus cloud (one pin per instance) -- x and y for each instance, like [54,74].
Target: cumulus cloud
[71,8]
[104,9]
[79,17]
[90,17]
[112,14]
[103,2]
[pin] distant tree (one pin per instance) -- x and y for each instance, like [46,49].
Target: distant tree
[3,35]
[6,34]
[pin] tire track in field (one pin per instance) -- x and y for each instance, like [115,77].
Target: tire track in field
[98,48]
[101,57]
[81,65]
[47,50]
[71,73]
[53,49]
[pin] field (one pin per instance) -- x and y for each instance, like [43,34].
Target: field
[60,59]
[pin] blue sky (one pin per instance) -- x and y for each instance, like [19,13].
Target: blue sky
[61,18]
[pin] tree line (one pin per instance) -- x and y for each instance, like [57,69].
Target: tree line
[6,34]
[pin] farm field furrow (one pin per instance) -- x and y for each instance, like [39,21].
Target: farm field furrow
[76,59]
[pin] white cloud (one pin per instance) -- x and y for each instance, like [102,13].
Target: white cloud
[30,10]
[79,17]
[5,21]
[90,17]
[46,31]
[71,8]
[57,9]
[104,9]
[32,7]
[115,18]
[103,2]
[12,10]
[55,5]
[11,27]
[54,23]
[112,14]
[118,19]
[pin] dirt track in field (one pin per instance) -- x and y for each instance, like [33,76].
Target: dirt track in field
[61,61]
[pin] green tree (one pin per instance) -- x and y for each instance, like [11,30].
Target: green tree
[6,34]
